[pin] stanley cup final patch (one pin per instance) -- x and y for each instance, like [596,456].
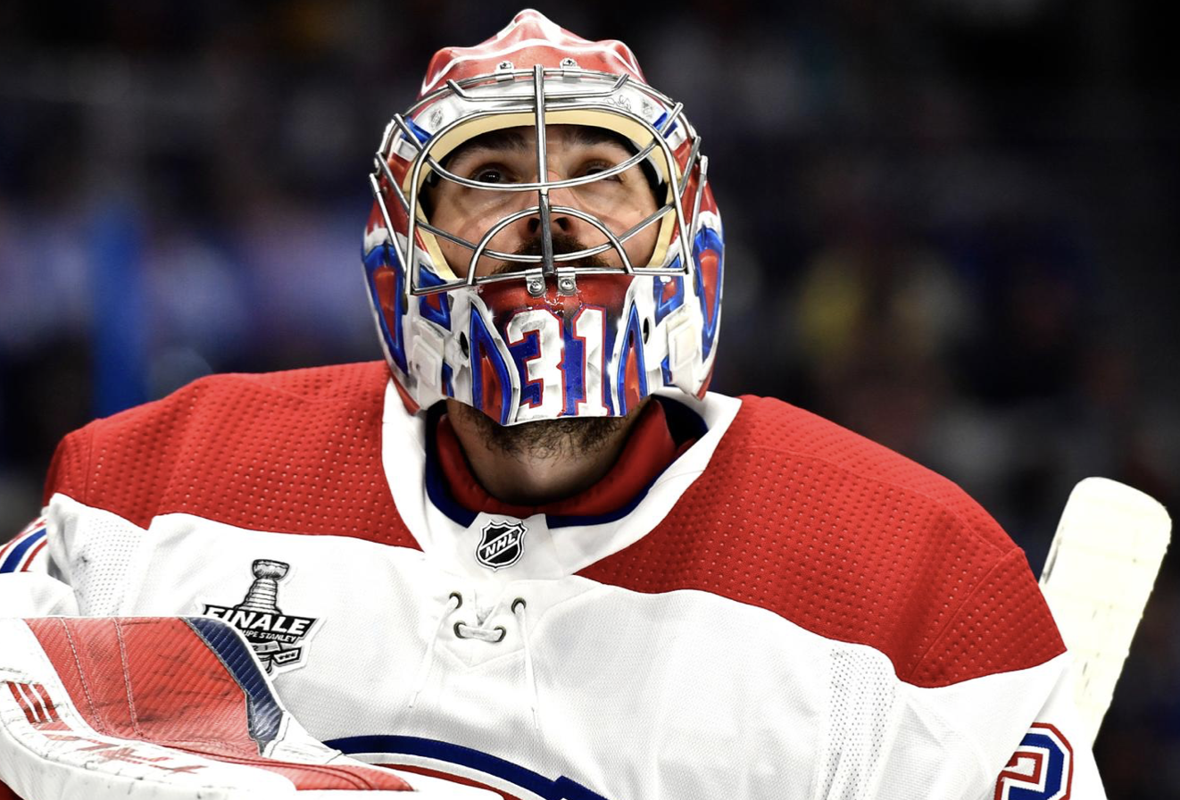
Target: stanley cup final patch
[277,638]
[501,544]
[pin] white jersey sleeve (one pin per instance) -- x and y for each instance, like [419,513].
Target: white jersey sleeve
[30,582]
[1053,760]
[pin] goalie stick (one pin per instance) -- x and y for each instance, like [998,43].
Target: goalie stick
[1097,578]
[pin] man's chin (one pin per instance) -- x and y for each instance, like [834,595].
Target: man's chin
[544,439]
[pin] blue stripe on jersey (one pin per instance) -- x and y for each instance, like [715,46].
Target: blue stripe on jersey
[560,789]
[17,553]
[263,712]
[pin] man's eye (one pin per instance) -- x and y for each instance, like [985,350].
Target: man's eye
[594,169]
[490,175]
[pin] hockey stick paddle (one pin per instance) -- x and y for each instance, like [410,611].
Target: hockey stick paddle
[1097,578]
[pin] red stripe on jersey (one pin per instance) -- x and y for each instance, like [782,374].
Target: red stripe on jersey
[20,537]
[434,773]
[32,555]
[29,530]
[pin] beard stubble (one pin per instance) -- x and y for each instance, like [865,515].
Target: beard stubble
[571,437]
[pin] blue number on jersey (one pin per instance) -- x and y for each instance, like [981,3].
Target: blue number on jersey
[1040,769]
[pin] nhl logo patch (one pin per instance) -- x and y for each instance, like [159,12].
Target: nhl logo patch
[501,544]
[277,638]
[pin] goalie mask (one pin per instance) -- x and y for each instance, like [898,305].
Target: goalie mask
[563,326]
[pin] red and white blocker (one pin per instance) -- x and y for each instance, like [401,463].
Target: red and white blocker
[160,708]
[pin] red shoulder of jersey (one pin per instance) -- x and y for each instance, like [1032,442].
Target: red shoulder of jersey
[852,541]
[294,452]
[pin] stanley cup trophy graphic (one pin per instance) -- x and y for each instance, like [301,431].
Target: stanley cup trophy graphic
[263,598]
[276,638]
[264,592]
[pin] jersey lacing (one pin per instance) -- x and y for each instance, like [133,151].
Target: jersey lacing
[491,635]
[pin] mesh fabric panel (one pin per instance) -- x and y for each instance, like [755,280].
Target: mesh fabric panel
[851,541]
[294,452]
[860,701]
[100,564]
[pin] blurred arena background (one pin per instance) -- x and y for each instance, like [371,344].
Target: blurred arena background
[951,226]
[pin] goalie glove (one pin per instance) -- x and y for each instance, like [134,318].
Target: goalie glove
[159,708]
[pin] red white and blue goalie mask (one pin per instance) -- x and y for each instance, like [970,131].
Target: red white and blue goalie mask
[545,339]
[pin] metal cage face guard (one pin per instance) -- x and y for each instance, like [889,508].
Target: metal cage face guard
[551,338]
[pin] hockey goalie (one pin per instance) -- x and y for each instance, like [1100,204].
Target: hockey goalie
[529,554]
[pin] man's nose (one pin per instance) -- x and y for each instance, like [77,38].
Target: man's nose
[559,222]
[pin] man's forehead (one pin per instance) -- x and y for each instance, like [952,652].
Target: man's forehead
[524,138]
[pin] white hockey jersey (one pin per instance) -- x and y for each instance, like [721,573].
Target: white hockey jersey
[787,611]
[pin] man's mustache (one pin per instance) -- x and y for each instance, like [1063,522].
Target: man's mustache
[562,243]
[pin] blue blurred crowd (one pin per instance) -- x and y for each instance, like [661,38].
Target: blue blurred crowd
[950,226]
